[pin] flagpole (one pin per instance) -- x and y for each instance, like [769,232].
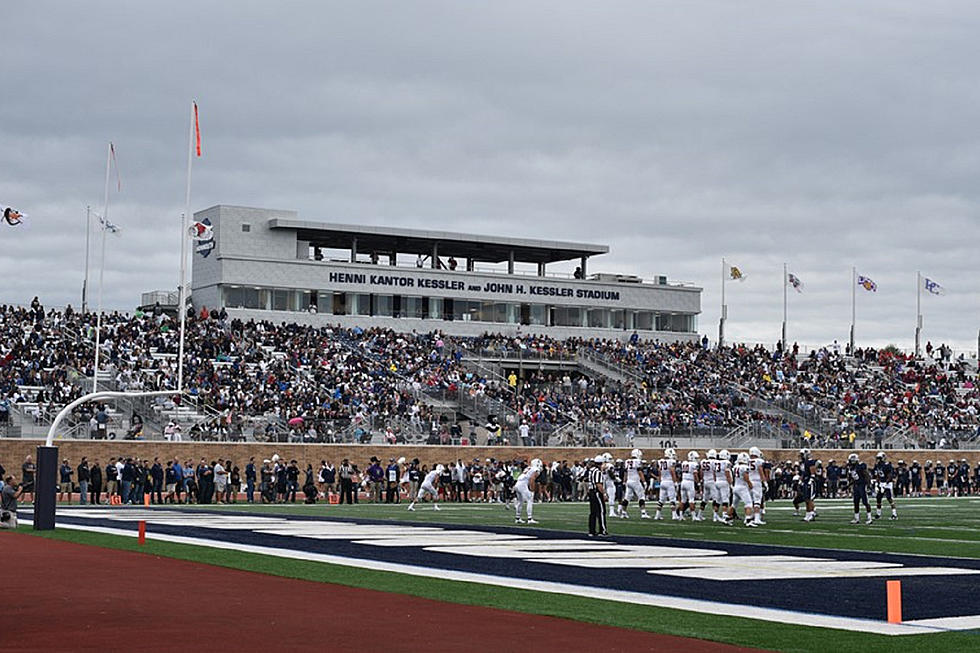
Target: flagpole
[784,306]
[918,310]
[98,314]
[853,304]
[182,291]
[724,308]
[88,228]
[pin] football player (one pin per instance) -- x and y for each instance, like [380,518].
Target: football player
[708,484]
[525,491]
[807,489]
[759,477]
[742,490]
[857,474]
[610,480]
[884,475]
[668,489]
[634,485]
[690,470]
[428,486]
[723,485]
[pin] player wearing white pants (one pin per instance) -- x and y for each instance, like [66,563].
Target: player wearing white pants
[742,489]
[723,484]
[668,490]
[690,469]
[758,475]
[634,485]
[428,487]
[708,484]
[525,491]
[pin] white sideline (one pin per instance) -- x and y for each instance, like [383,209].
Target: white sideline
[635,598]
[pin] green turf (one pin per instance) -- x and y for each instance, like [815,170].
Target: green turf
[774,636]
[927,526]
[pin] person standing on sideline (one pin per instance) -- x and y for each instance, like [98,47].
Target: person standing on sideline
[95,483]
[391,479]
[250,480]
[157,477]
[65,472]
[111,480]
[597,497]
[83,477]
[27,471]
[346,488]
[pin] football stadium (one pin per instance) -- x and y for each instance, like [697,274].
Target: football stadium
[472,389]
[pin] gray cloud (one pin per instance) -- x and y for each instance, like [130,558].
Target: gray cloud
[822,135]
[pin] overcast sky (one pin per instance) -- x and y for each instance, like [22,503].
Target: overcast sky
[823,135]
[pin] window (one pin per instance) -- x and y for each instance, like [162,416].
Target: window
[567,316]
[383,305]
[435,307]
[358,304]
[505,313]
[412,307]
[538,314]
[238,297]
[246,228]
[280,300]
[599,318]
[643,321]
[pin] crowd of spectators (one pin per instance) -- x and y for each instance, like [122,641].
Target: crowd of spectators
[337,384]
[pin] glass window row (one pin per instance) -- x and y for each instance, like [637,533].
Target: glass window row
[440,308]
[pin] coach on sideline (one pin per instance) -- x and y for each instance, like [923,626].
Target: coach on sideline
[597,498]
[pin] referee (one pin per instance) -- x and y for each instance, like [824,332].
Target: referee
[597,498]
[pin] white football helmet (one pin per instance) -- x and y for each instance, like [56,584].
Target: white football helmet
[743,458]
[755,452]
[670,453]
[537,464]
[881,455]
[804,453]
[693,456]
[440,469]
[724,455]
[636,453]
[853,458]
[401,461]
[712,454]
[607,457]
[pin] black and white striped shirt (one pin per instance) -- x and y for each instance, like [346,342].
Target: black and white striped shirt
[595,479]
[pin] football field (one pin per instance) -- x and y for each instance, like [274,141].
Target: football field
[783,586]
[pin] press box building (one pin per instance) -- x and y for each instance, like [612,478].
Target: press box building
[268,264]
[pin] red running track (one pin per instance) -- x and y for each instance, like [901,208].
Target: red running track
[63,596]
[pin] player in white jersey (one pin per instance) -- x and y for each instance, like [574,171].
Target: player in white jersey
[723,485]
[609,478]
[759,477]
[428,486]
[634,485]
[525,491]
[708,484]
[668,489]
[690,471]
[742,490]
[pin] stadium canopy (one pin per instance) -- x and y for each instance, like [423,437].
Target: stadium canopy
[386,240]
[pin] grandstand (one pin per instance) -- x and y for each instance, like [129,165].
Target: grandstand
[260,381]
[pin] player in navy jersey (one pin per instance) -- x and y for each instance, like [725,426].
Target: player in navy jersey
[807,489]
[857,475]
[885,478]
